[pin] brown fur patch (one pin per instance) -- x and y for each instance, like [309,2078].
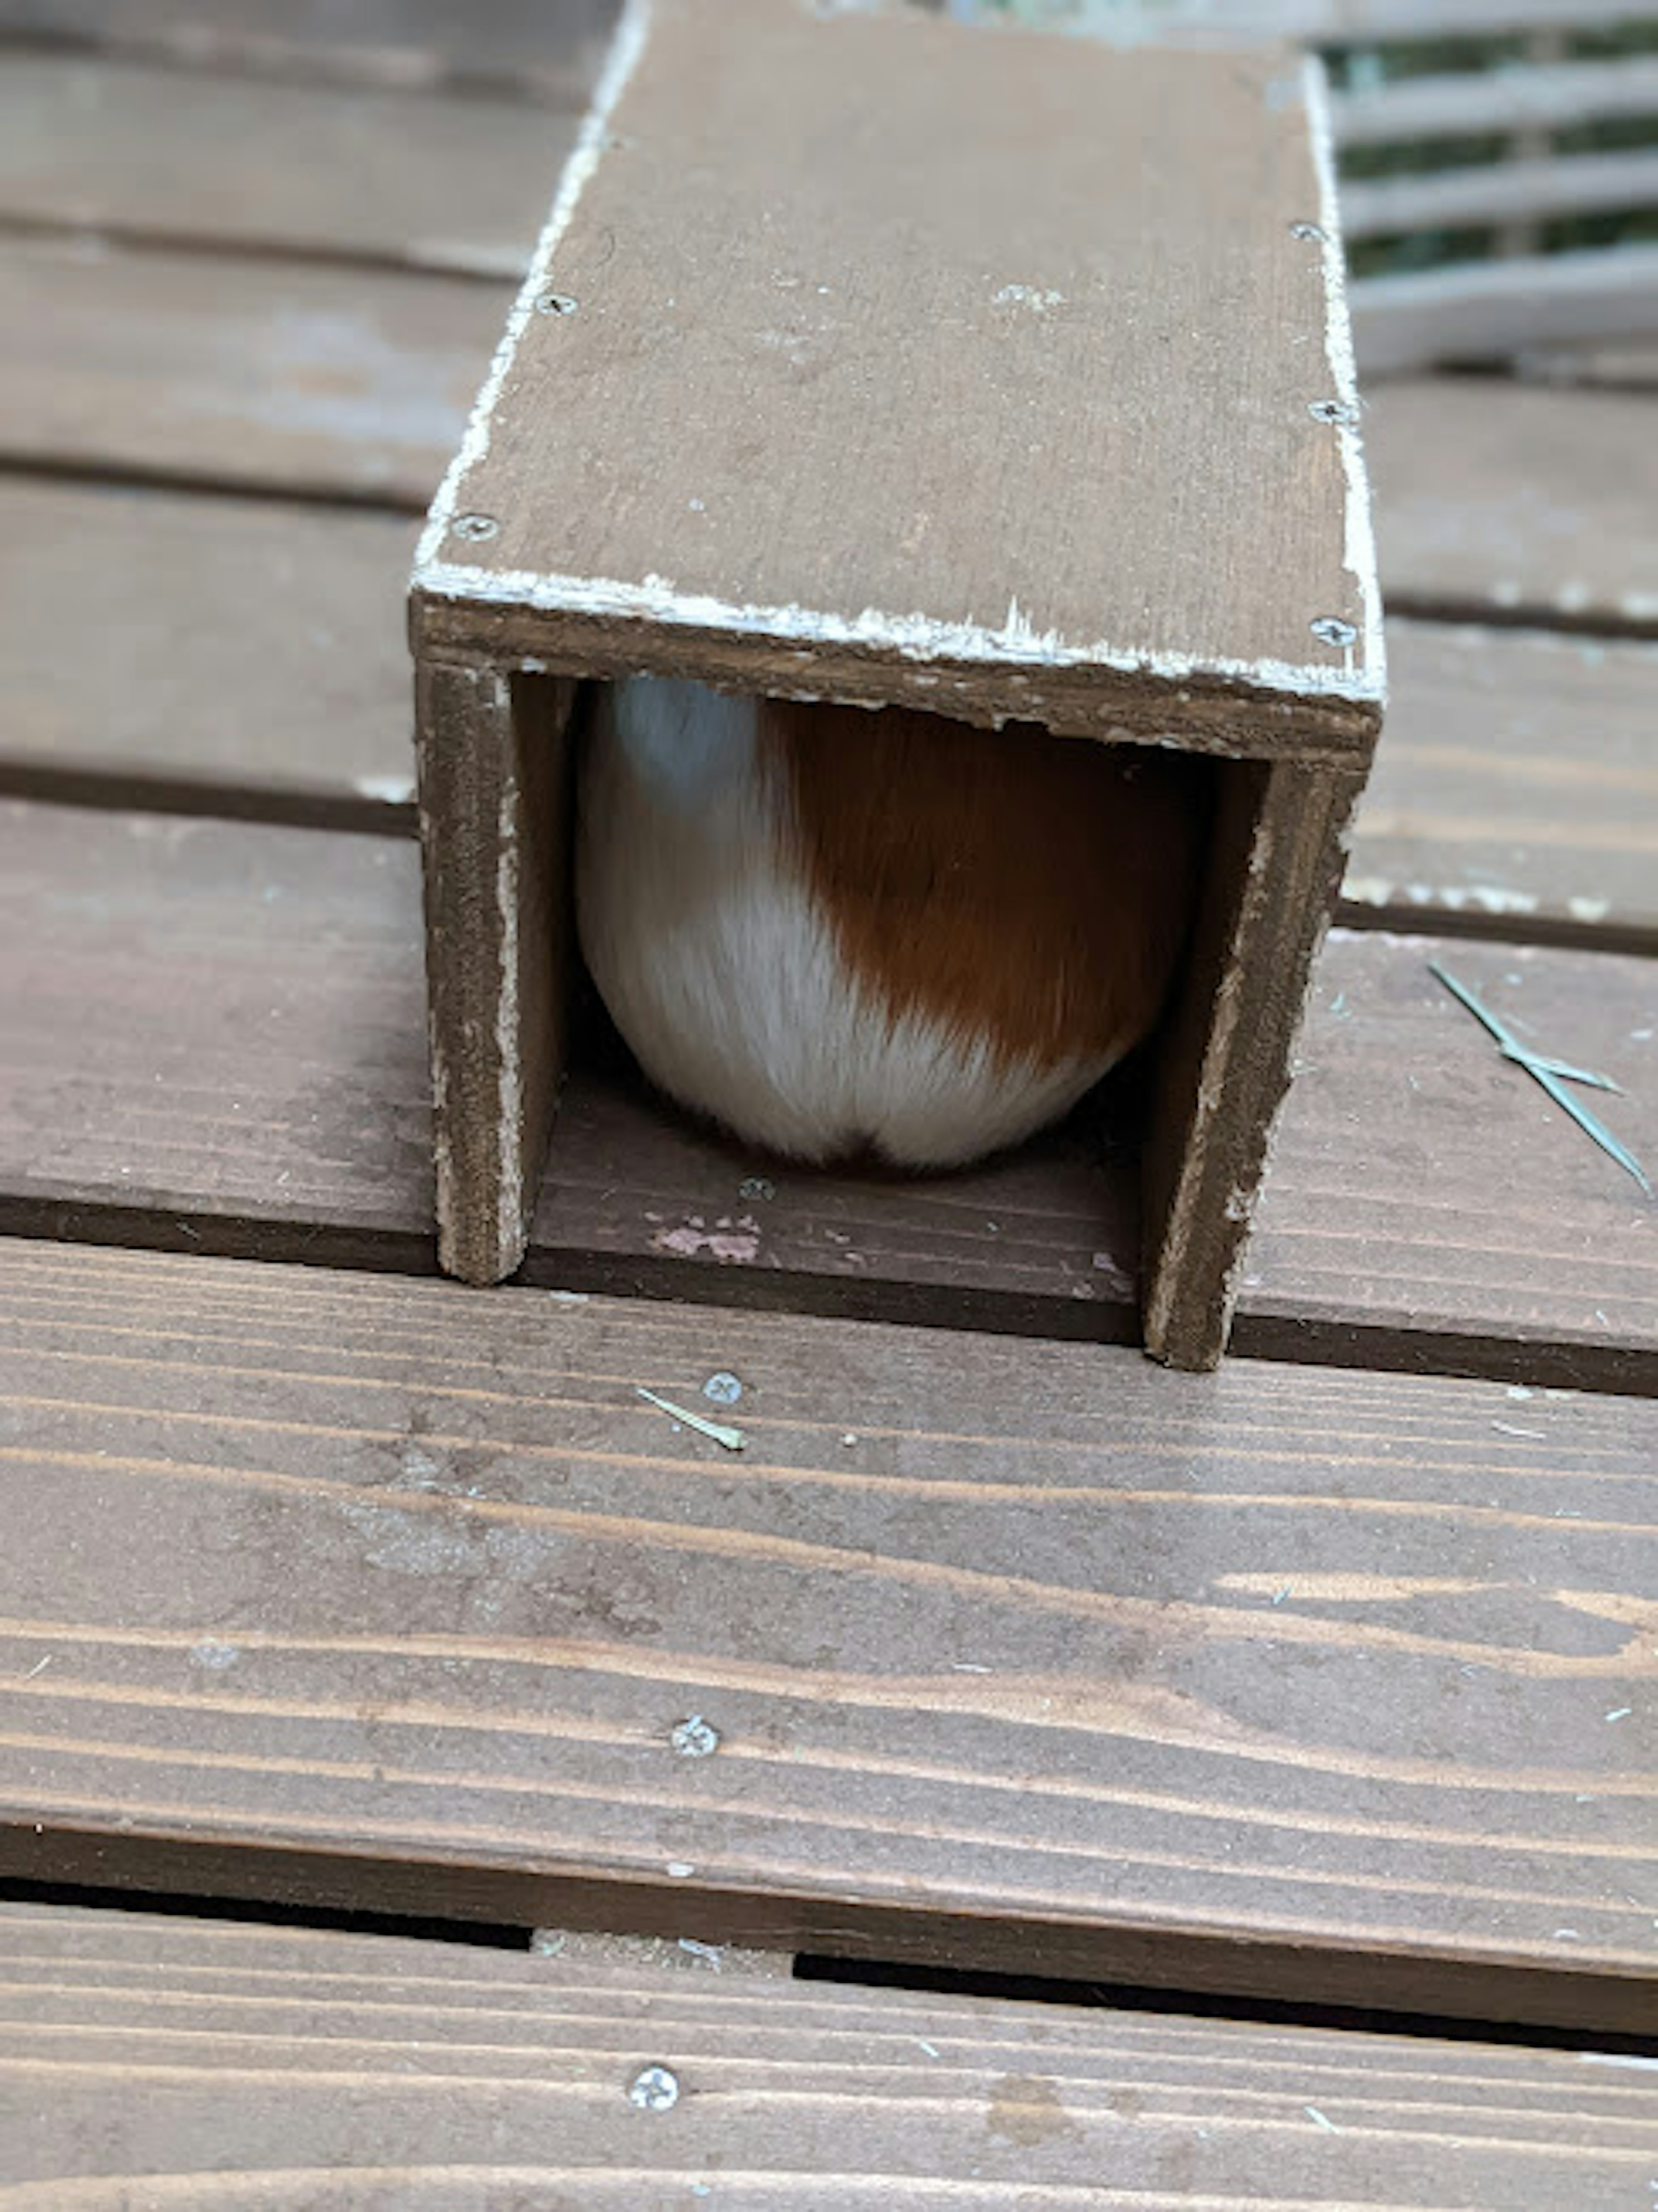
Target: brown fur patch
[1029,891]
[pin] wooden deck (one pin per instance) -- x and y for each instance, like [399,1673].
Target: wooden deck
[330,1587]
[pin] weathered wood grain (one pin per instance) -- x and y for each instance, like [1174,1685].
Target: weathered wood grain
[219,656]
[263,988]
[1511,794]
[246,1069]
[906,312]
[641,1200]
[363,1590]
[549,52]
[1428,1200]
[174,2057]
[444,184]
[207,1024]
[1516,789]
[341,383]
[1498,500]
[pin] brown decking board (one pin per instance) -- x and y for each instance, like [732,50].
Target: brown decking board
[1285,1680]
[1428,1199]
[1322,1648]
[1498,500]
[246,1068]
[544,49]
[325,2067]
[217,656]
[1516,789]
[218,370]
[1511,794]
[442,184]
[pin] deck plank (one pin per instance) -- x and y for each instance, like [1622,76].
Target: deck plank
[1285,1680]
[443,184]
[1516,789]
[217,370]
[247,1069]
[136,2052]
[247,1072]
[1510,796]
[551,53]
[1428,1200]
[1502,500]
[246,658]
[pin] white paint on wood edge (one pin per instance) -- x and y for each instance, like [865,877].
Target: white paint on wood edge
[1358,549]
[1016,642]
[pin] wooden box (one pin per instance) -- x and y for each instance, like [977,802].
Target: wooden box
[870,357]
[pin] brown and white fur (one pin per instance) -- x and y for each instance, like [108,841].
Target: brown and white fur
[838,931]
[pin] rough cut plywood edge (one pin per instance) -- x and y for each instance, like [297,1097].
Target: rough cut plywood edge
[1359,549]
[1564,1988]
[1016,642]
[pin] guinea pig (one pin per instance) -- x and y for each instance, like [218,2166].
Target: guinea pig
[842,933]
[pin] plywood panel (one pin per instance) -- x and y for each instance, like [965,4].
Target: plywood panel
[217,655]
[927,349]
[1500,499]
[1427,1199]
[433,182]
[1030,1655]
[1516,789]
[315,381]
[136,2051]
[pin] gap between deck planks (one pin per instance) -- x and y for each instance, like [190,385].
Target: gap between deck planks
[247,1072]
[1283,1681]
[156,2056]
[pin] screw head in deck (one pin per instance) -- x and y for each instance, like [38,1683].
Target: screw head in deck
[654,2090]
[474,528]
[555,303]
[1330,629]
[723,1388]
[694,1739]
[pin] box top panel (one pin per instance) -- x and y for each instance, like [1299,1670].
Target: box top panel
[873,356]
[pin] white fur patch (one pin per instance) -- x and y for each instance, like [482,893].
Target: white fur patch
[724,977]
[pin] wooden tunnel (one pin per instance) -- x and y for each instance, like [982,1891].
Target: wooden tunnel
[872,357]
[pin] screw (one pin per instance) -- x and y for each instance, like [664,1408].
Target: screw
[725,1389]
[757,1187]
[655,2090]
[474,528]
[694,1739]
[1330,629]
[1313,233]
[1334,410]
[555,303]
